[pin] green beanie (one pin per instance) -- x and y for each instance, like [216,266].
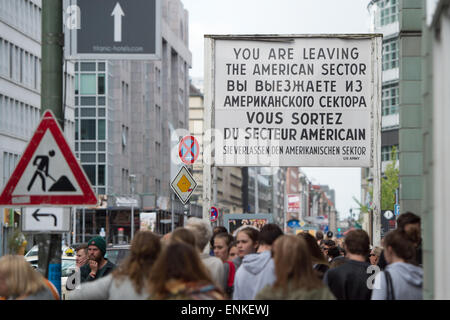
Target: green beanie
[99,242]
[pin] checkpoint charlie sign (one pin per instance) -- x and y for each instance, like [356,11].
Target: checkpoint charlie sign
[295,100]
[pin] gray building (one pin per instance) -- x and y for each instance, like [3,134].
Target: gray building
[124,110]
[20,86]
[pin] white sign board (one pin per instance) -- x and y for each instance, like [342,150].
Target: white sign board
[46,220]
[295,101]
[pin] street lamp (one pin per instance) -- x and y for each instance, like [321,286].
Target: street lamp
[132,178]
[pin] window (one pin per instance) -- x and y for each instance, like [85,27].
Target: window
[101,130]
[101,84]
[386,153]
[390,100]
[101,175]
[88,84]
[388,11]
[87,66]
[87,130]
[390,54]
[90,172]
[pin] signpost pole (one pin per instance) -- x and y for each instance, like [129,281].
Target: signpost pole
[52,98]
[377,45]
[207,129]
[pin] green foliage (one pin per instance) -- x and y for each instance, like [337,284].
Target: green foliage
[389,184]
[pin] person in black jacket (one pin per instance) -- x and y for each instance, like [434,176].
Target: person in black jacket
[349,280]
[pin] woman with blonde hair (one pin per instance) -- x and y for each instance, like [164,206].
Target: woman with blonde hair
[129,280]
[295,279]
[19,281]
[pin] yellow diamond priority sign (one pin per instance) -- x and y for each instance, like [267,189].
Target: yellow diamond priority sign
[183,185]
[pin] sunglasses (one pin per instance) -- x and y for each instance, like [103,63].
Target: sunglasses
[372,255]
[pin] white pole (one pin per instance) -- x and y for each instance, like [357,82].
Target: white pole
[376,230]
[132,220]
[172,217]
[207,107]
[84,225]
[256,191]
[214,185]
[74,224]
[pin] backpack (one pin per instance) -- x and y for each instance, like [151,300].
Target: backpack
[389,287]
[230,280]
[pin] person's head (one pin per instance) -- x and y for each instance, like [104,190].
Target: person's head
[96,248]
[81,254]
[398,246]
[329,235]
[326,245]
[178,261]
[268,234]
[247,241]
[409,223]
[144,250]
[18,278]
[292,261]
[374,255]
[233,251]
[357,242]
[221,245]
[219,229]
[333,252]
[319,235]
[314,249]
[201,230]
[181,234]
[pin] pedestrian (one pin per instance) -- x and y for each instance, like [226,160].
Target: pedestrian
[374,255]
[202,232]
[257,269]
[216,230]
[246,242]
[20,281]
[326,245]
[81,255]
[179,274]
[181,234]
[295,279]
[221,245]
[319,237]
[319,262]
[349,280]
[129,281]
[233,251]
[401,280]
[409,224]
[98,265]
[222,242]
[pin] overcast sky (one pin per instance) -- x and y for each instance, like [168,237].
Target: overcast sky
[283,17]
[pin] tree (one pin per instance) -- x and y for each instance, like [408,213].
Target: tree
[389,185]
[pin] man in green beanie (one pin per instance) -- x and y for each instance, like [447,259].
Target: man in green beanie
[97,265]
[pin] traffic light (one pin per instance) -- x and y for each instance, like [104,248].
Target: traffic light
[339,229]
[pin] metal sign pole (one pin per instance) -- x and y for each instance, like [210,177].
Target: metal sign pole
[52,98]
[209,84]
[377,45]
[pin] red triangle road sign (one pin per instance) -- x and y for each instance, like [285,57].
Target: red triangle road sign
[48,172]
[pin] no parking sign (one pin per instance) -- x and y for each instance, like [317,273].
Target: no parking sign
[188,150]
[214,214]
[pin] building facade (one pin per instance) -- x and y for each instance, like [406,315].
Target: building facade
[20,87]
[124,114]
[227,195]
